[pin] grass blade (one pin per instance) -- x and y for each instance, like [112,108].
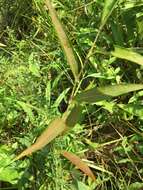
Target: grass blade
[60,98]
[79,163]
[55,128]
[107,10]
[104,93]
[63,39]
[124,53]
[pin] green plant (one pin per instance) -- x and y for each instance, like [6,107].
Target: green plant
[38,87]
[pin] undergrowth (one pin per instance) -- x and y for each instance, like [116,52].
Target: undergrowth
[36,84]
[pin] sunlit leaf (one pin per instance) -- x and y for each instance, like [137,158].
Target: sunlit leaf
[79,163]
[55,128]
[2,45]
[63,39]
[34,68]
[104,93]
[124,53]
[132,4]
[133,109]
[82,186]
[8,174]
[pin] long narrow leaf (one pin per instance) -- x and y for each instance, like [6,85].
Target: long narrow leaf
[104,93]
[107,10]
[61,97]
[63,39]
[78,163]
[55,128]
[127,54]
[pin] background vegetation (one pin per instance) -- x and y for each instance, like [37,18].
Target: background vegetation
[36,84]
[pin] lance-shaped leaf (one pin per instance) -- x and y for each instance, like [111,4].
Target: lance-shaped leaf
[104,93]
[124,53]
[78,163]
[107,10]
[55,128]
[74,116]
[63,39]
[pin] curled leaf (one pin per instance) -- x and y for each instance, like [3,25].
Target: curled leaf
[79,163]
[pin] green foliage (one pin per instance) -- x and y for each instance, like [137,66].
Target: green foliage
[128,55]
[8,172]
[104,93]
[36,85]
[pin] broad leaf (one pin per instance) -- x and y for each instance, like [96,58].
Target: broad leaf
[79,163]
[104,93]
[8,174]
[55,128]
[127,54]
[8,171]
[63,39]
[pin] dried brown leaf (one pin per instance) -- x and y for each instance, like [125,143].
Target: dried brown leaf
[55,128]
[63,39]
[79,163]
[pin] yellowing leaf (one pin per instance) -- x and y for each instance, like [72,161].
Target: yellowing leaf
[55,128]
[63,39]
[79,163]
[124,53]
[104,93]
